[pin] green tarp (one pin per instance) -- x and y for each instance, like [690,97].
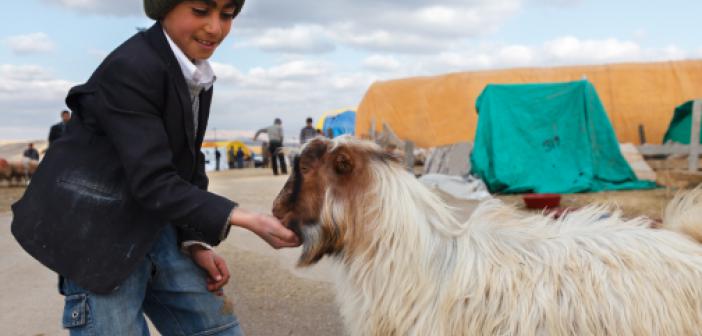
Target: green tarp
[548,138]
[679,128]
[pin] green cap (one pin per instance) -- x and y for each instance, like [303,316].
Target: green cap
[157,9]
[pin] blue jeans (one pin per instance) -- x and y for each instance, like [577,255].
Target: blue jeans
[167,286]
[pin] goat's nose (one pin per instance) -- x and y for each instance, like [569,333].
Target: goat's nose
[278,209]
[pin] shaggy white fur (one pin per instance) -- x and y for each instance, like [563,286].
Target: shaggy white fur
[505,272]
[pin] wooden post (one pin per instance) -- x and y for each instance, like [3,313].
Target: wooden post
[642,135]
[695,136]
[409,156]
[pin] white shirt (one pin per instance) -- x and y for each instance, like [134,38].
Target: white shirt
[199,76]
[198,72]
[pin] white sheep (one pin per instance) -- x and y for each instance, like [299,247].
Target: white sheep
[409,268]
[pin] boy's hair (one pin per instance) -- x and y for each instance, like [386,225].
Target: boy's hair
[157,9]
[309,120]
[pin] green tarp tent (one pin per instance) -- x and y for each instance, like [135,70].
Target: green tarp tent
[548,138]
[680,125]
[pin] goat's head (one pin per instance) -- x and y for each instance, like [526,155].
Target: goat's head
[324,197]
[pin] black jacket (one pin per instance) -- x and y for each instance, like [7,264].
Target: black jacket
[56,132]
[129,164]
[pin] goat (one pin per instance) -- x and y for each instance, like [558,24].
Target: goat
[407,267]
[5,170]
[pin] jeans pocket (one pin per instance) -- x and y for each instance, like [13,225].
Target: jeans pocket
[75,311]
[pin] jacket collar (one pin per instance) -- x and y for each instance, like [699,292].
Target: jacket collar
[157,39]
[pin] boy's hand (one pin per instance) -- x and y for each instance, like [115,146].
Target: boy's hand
[267,227]
[217,271]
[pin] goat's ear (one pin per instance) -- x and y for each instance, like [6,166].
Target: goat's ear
[343,165]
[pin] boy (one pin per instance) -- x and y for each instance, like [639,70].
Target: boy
[125,188]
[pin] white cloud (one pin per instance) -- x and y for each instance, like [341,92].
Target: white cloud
[409,26]
[30,96]
[516,55]
[381,63]
[385,41]
[300,39]
[573,50]
[226,73]
[556,52]
[290,71]
[673,52]
[102,7]
[312,26]
[30,43]
[291,90]
[556,3]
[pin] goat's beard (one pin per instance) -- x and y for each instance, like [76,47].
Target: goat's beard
[310,233]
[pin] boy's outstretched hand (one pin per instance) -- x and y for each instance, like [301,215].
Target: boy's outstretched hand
[267,227]
[217,271]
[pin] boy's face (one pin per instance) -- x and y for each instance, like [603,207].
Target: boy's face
[198,27]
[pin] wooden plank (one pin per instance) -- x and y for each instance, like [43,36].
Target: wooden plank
[667,149]
[695,135]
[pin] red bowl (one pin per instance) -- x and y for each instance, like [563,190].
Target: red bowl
[542,201]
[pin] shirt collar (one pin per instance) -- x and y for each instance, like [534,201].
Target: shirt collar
[199,73]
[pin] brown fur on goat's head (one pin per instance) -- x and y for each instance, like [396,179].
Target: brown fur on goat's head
[330,178]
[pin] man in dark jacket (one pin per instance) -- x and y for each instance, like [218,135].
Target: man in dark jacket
[59,129]
[31,152]
[218,156]
[115,200]
[308,132]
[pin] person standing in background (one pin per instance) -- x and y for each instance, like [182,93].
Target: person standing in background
[275,141]
[230,157]
[218,156]
[59,129]
[308,132]
[240,158]
[31,152]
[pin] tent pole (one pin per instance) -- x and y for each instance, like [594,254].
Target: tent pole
[693,159]
[642,134]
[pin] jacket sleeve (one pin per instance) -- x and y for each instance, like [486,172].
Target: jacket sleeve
[200,178]
[131,95]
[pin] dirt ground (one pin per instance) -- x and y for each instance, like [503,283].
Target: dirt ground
[9,195]
[632,203]
[271,296]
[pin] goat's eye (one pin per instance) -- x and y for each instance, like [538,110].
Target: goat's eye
[304,164]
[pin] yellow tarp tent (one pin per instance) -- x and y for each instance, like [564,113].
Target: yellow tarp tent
[225,145]
[440,110]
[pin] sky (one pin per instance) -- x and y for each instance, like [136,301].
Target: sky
[294,59]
